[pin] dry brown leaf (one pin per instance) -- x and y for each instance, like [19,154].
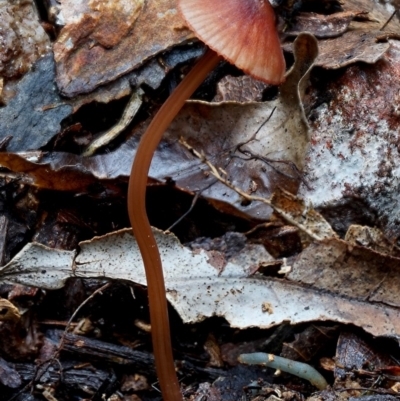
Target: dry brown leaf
[349,270]
[150,74]
[287,206]
[303,214]
[309,343]
[344,40]
[70,177]
[378,14]
[373,238]
[239,89]
[89,53]
[353,46]
[323,26]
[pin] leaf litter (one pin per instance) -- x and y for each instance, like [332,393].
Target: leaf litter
[239,134]
[23,42]
[351,281]
[190,277]
[116,37]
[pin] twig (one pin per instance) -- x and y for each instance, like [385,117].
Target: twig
[176,222]
[192,205]
[56,353]
[263,225]
[60,345]
[214,171]
[388,21]
[129,113]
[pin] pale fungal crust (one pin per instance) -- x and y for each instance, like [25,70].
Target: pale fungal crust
[243,32]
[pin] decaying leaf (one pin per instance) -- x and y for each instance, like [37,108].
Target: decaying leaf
[47,267]
[105,40]
[305,215]
[240,89]
[9,377]
[287,206]
[323,26]
[253,142]
[197,289]
[349,36]
[353,46]
[354,354]
[150,74]
[349,270]
[373,238]
[33,116]
[112,20]
[309,342]
[379,13]
[68,177]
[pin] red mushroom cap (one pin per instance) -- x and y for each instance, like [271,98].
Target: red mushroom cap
[242,31]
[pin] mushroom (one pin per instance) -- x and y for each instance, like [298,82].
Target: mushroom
[244,33]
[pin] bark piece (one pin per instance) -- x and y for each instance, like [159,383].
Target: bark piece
[85,378]
[120,355]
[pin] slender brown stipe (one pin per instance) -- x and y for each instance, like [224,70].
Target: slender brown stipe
[242,31]
[141,227]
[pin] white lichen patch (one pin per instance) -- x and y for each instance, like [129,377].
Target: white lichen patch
[355,144]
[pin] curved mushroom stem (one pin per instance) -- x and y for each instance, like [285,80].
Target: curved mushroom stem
[141,227]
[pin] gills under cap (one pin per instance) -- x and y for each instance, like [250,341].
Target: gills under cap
[242,31]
